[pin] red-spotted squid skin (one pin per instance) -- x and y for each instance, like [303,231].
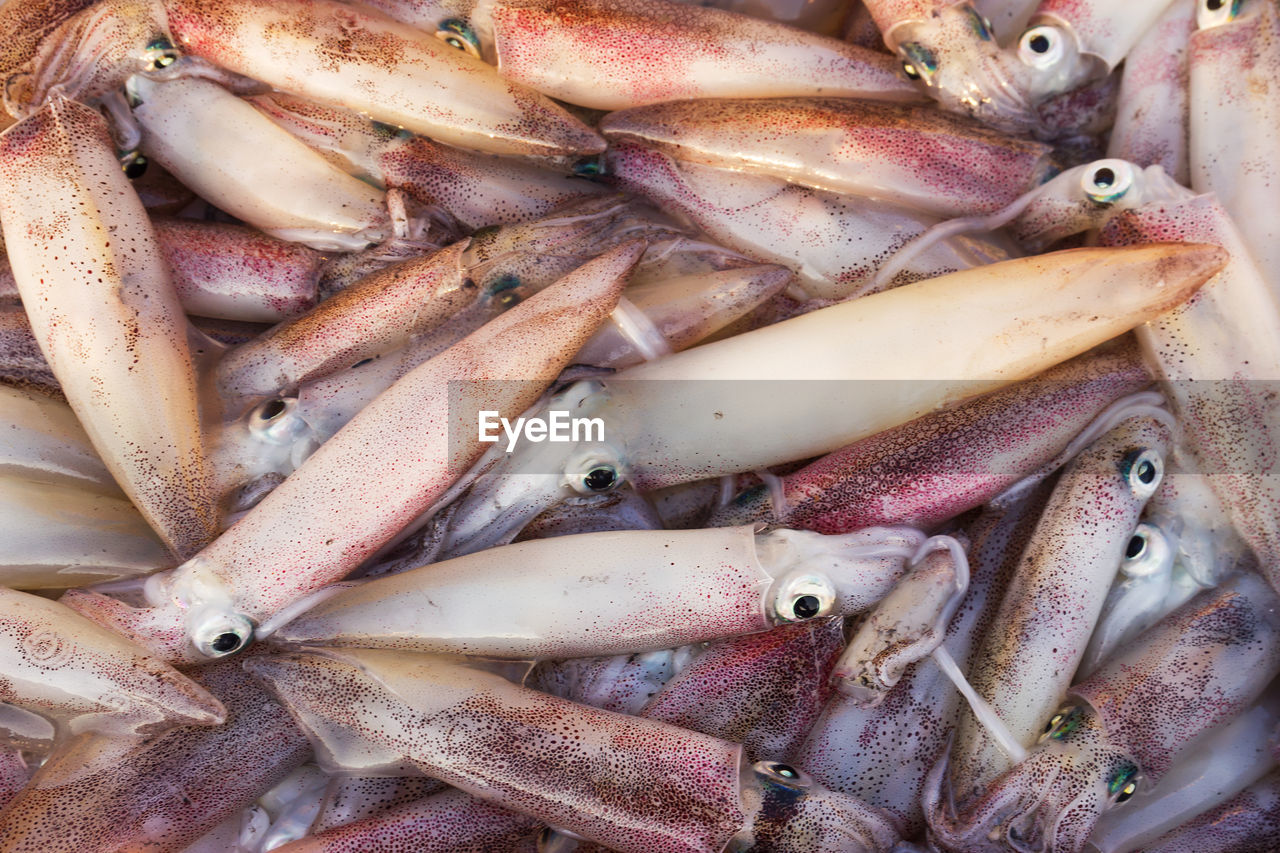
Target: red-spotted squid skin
[1200,667]
[102,305]
[97,794]
[945,463]
[393,72]
[1249,822]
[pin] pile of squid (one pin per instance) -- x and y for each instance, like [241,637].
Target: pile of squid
[584,425]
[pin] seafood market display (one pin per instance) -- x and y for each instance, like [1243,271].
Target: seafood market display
[652,426]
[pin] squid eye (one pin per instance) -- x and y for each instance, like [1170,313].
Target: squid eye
[1063,723]
[981,26]
[1123,784]
[1053,722]
[273,422]
[271,410]
[134,166]
[1107,180]
[159,53]
[1143,470]
[505,291]
[594,475]
[602,478]
[1041,47]
[456,33]
[588,167]
[784,773]
[805,597]
[1147,553]
[919,63]
[1215,13]
[222,635]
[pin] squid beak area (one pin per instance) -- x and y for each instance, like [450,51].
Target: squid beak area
[1002,818]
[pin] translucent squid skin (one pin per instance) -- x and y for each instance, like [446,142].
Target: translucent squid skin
[882,754]
[100,794]
[352,798]
[614,54]
[680,587]
[1249,822]
[833,241]
[56,662]
[390,71]
[1199,668]
[207,607]
[631,784]
[1053,601]
[1233,108]
[22,364]
[102,306]
[911,155]
[46,442]
[1151,124]
[945,463]
[229,153]
[478,189]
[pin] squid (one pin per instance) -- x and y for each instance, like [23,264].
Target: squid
[910,155]
[1233,61]
[833,241]
[424,431]
[477,189]
[659,432]
[692,586]
[1037,638]
[96,794]
[945,463]
[228,272]
[352,798]
[357,58]
[624,53]
[22,364]
[576,768]
[621,683]
[1249,819]
[103,308]
[59,664]
[1127,723]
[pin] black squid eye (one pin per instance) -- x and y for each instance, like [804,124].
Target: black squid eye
[601,478]
[135,167]
[806,607]
[271,410]
[225,643]
[1136,546]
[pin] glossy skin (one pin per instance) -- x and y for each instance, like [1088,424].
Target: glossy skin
[1040,632]
[580,768]
[677,587]
[942,464]
[97,794]
[912,155]
[105,313]
[708,429]
[271,557]
[613,54]
[1247,823]
[394,73]
[1199,668]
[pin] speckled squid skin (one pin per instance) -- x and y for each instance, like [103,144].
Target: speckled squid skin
[942,464]
[613,54]
[1249,822]
[102,305]
[478,189]
[1039,635]
[352,798]
[22,364]
[449,822]
[1199,668]
[1151,123]
[99,794]
[912,155]
[377,314]
[882,754]
[834,242]
[58,663]
[360,59]
[1105,30]
[25,24]
[764,691]
[1234,108]
[273,556]
[1219,354]
[629,783]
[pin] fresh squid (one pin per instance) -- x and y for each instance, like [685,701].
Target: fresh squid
[579,769]
[1201,667]
[384,469]
[909,155]
[692,586]
[945,463]
[661,429]
[357,58]
[100,301]
[1248,821]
